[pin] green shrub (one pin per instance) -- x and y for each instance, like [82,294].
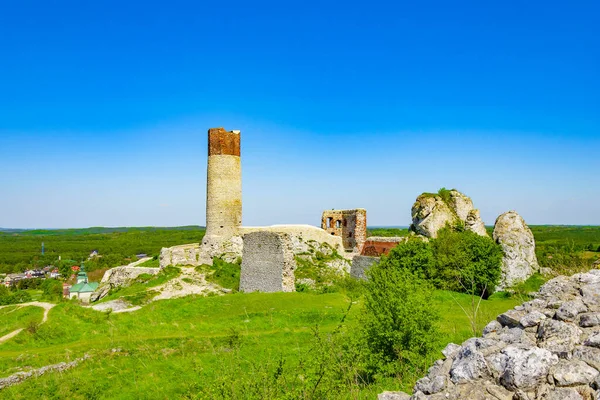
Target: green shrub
[466,262]
[52,289]
[224,274]
[414,255]
[14,297]
[399,321]
[456,260]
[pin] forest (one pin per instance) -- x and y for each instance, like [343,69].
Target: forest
[563,248]
[115,246]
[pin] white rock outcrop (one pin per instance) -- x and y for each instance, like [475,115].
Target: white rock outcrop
[431,212]
[527,352]
[120,276]
[474,223]
[518,244]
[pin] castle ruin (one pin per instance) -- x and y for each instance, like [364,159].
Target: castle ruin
[223,189]
[350,225]
[225,236]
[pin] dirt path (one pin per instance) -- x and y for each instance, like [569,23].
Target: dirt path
[46,306]
[189,282]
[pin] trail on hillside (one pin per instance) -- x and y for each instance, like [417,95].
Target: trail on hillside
[46,306]
[189,282]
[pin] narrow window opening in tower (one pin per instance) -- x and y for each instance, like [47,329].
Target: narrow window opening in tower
[338,224]
[329,222]
[345,222]
[349,234]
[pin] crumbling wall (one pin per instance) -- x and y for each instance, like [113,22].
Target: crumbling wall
[268,263]
[187,254]
[360,264]
[350,225]
[376,246]
[300,236]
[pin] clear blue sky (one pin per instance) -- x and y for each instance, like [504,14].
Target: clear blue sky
[104,108]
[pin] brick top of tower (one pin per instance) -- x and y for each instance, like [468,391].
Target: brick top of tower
[221,142]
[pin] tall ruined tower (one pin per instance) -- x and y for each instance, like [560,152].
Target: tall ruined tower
[223,187]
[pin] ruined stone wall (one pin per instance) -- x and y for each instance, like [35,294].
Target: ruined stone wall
[268,263]
[186,254]
[300,234]
[360,264]
[376,246]
[223,187]
[350,225]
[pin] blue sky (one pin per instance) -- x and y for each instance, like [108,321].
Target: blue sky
[104,108]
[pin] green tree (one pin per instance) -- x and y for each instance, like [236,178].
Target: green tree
[398,323]
[466,262]
[414,255]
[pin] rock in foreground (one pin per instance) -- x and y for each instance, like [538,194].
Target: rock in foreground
[527,352]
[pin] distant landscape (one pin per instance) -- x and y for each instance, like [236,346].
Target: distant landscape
[568,246]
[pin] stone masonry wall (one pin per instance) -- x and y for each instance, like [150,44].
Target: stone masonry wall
[268,263]
[360,264]
[376,246]
[350,225]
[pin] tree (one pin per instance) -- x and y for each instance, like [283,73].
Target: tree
[466,262]
[398,322]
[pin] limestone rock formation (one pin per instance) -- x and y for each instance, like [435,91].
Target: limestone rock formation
[517,241]
[461,204]
[474,223]
[432,212]
[527,352]
[120,276]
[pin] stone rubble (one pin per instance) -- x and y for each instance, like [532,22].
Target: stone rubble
[21,376]
[545,349]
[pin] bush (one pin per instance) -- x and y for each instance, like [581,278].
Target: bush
[461,261]
[398,322]
[52,289]
[225,274]
[414,255]
[466,262]
[13,297]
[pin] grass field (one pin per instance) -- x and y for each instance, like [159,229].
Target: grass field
[13,318]
[177,348]
[183,348]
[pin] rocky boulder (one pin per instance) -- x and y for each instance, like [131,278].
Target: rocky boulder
[530,352]
[474,223]
[515,237]
[432,212]
[120,276]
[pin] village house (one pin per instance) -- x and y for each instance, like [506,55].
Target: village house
[12,279]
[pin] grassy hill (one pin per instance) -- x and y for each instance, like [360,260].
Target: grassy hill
[189,347]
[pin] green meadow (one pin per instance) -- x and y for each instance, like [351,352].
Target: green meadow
[209,347]
[179,348]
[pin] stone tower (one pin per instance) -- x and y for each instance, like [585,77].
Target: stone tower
[223,188]
[350,225]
